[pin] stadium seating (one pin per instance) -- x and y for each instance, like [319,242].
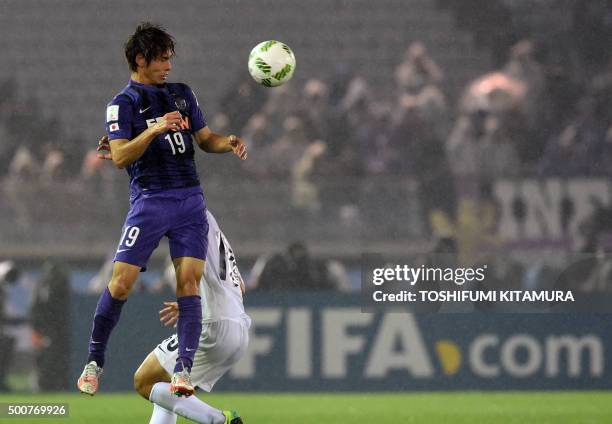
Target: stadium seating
[72,65]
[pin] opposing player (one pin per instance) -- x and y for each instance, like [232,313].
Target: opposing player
[151,125]
[222,343]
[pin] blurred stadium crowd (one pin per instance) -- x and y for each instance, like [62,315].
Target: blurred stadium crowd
[336,148]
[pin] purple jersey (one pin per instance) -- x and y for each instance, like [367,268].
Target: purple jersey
[168,161]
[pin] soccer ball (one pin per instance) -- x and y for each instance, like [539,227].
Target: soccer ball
[271,63]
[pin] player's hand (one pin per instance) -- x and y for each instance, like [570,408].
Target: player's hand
[169,122]
[238,146]
[169,315]
[103,149]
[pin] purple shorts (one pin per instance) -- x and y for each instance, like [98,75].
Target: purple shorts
[179,215]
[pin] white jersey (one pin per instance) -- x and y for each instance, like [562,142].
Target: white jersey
[225,326]
[220,284]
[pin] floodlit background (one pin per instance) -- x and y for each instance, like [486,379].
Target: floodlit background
[478,129]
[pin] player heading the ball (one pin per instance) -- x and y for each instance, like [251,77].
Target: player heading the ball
[152,125]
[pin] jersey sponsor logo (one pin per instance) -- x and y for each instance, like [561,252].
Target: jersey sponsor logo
[123,250]
[144,110]
[184,125]
[112,113]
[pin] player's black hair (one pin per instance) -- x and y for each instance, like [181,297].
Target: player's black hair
[150,40]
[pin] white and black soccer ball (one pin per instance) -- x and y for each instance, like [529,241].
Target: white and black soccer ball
[271,63]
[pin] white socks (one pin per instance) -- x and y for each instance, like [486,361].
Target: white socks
[191,407]
[162,416]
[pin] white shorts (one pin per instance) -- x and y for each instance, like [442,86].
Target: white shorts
[222,344]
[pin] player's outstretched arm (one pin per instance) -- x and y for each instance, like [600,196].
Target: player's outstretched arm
[125,152]
[211,142]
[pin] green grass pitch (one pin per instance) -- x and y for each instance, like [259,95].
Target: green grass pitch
[362,408]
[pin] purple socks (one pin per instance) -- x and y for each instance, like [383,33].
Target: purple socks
[189,327]
[105,318]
